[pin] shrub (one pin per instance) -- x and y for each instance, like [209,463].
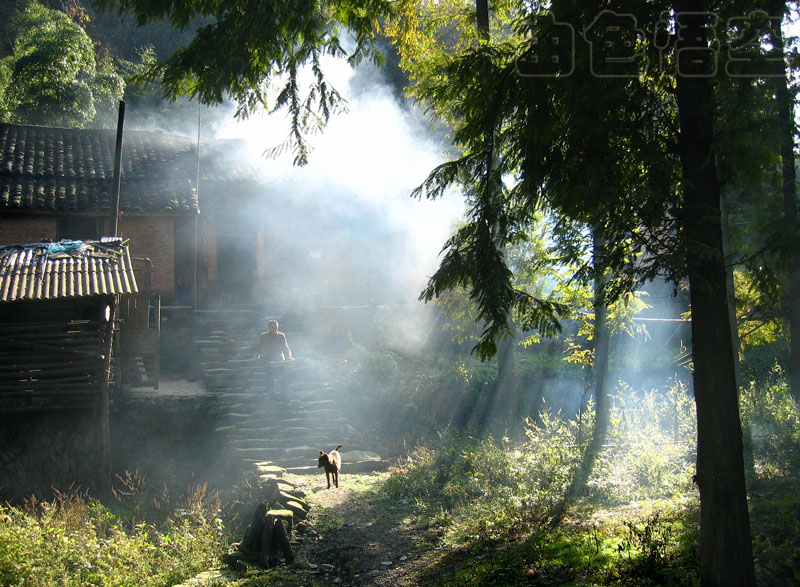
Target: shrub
[651,447]
[773,418]
[75,540]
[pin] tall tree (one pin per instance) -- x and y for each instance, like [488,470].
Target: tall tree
[53,76]
[787,132]
[634,200]
[726,556]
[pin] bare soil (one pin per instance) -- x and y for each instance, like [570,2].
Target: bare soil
[355,538]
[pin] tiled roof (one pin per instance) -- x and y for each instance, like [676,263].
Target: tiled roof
[46,271]
[65,170]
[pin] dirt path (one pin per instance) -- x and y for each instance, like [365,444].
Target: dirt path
[357,539]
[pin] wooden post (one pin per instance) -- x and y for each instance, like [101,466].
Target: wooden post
[105,425]
[265,535]
[197,193]
[280,536]
[157,359]
[114,205]
[252,537]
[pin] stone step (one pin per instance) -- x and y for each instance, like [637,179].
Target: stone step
[259,406]
[269,430]
[287,463]
[269,445]
[319,440]
[324,413]
[322,438]
[248,421]
[258,427]
[368,466]
[318,403]
[259,454]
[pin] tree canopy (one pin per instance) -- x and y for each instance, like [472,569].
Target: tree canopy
[257,53]
[53,76]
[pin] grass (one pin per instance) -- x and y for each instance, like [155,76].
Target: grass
[483,508]
[472,537]
[76,540]
[498,536]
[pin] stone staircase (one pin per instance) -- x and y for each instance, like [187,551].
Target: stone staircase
[261,427]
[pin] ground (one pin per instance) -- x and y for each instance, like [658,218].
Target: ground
[355,541]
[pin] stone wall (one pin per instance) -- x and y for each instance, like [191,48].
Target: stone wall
[42,451]
[164,439]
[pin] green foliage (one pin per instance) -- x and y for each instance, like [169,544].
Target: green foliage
[651,445]
[75,540]
[775,518]
[758,313]
[506,488]
[650,454]
[542,286]
[247,49]
[529,144]
[648,551]
[408,400]
[773,417]
[491,502]
[6,70]
[53,77]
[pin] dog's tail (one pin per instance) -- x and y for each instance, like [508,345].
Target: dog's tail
[338,447]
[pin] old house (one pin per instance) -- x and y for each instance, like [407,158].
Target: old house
[58,304]
[57,183]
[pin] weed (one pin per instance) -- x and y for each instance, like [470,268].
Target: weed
[75,540]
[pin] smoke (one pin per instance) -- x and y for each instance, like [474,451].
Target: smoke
[362,169]
[349,232]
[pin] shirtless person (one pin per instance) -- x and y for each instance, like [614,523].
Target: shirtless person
[273,350]
[272,345]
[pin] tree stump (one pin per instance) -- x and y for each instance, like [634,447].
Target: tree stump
[265,536]
[267,530]
[251,543]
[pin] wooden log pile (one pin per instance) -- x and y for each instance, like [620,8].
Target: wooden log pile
[53,364]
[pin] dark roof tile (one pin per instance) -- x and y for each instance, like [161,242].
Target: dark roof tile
[62,170]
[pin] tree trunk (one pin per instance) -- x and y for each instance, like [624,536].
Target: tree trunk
[504,409]
[747,437]
[787,131]
[265,548]
[602,339]
[726,556]
[730,288]
[482,18]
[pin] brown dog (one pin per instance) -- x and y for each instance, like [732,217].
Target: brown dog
[332,463]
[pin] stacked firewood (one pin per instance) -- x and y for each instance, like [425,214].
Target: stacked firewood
[52,363]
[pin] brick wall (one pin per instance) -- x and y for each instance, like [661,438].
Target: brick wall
[152,237]
[26,229]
